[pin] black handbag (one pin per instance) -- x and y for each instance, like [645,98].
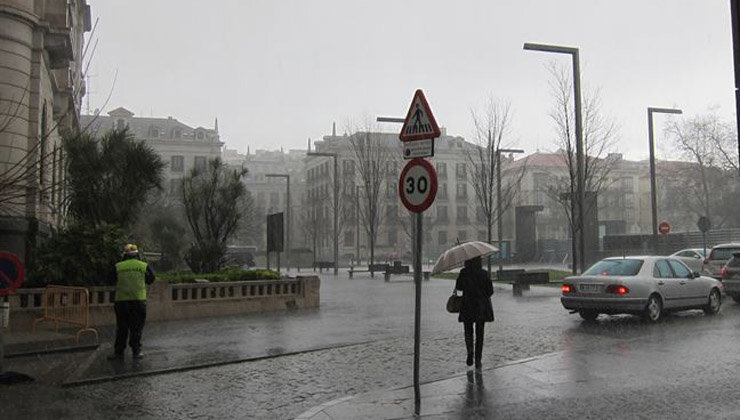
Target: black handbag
[454,302]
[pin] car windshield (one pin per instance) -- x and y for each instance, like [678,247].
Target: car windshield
[623,267]
[723,254]
[735,260]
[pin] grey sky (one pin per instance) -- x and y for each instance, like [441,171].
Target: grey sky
[276,72]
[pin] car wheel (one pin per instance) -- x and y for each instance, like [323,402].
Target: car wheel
[588,314]
[736,298]
[653,309]
[714,304]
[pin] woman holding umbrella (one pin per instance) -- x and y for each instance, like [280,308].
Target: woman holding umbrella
[476,309]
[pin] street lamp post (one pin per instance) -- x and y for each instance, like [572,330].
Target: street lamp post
[357,221]
[336,206]
[287,216]
[499,221]
[579,136]
[651,145]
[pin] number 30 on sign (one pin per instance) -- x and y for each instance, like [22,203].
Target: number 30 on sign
[418,185]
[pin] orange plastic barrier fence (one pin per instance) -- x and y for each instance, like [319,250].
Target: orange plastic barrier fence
[69,305]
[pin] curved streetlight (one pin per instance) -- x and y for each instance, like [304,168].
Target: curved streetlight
[573,52]
[651,145]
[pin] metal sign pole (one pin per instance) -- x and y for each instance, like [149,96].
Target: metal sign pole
[417,310]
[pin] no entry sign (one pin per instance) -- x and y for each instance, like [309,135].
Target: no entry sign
[417,186]
[11,273]
[664,228]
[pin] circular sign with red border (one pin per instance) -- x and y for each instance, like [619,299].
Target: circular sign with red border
[12,273]
[664,228]
[417,185]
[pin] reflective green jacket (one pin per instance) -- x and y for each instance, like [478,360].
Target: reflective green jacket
[130,280]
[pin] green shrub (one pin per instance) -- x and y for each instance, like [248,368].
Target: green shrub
[223,275]
[78,256]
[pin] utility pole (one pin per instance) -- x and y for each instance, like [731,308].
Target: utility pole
[499,211]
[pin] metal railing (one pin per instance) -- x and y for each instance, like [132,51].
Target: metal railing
[69,305]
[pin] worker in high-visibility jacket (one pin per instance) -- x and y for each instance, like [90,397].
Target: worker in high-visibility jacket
[132,276]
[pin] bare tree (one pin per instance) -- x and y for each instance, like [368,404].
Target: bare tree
[706,183]
[599,138]
[371,155]
[491,132]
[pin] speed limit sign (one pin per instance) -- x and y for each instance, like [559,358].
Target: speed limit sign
[418,185]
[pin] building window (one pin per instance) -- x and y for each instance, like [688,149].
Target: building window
[120,124]
[391,215]
[442,191]
[274,199]
[480,216]
[441,170]
[199,135]
[462,235]
[177,163]
[482,235]
[176,186]
[349,238]
[461,171]
[392,188]
[462,214]
[442,214]
[153,132]
[200,163]
[177,133]
[392,236]
[462,190]
[348,167]
[442,237]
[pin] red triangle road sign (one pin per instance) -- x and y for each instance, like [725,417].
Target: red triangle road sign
[420,123]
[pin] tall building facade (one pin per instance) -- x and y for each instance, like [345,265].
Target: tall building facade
[41,91]
[181,146]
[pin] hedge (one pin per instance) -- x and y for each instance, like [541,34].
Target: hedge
[226,274]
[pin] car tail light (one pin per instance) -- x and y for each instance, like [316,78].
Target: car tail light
[617,289]
[566,288]
[724,273]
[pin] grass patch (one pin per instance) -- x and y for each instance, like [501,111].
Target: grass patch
[223,275]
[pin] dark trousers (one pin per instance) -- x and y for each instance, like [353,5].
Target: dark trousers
[479,329]
[130,319]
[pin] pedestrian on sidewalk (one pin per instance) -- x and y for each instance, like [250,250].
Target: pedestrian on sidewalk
[132,276]
[476,309]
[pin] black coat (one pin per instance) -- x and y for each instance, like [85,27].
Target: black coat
[477,289]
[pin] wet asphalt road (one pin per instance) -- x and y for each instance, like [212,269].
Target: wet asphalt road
[378,316]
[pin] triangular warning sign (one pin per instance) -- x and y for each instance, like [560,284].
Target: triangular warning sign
[419,123]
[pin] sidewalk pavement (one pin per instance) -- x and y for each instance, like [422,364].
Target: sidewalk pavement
[651,377]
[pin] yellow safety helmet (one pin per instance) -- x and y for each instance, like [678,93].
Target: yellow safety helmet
[130,249]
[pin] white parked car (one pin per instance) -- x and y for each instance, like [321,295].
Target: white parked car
[692,257]
[646,286]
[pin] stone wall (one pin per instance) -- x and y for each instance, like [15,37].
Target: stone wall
[182,301]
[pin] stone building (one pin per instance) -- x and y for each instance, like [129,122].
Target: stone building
[452,217]
[270,194]
[181,146]
[41,91]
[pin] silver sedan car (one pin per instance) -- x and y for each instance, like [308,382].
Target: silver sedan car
[646,286]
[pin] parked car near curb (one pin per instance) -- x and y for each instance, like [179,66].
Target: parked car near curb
[643,285]
[731,277]
[692,257]
[717,258]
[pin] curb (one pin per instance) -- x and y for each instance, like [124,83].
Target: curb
[67,349]
[109,378]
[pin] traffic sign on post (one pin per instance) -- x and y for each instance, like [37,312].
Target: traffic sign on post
[420,123]
[704,224]
[12,273]
[664,228]
[417,185]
